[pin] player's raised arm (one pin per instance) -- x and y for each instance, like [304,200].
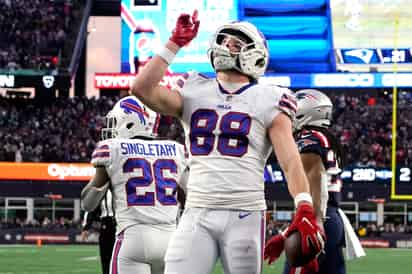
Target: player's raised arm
[146,85]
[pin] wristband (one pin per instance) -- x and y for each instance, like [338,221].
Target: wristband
[166,55]
[303,197]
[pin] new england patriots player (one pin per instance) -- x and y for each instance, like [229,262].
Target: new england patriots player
[143,174]
[322,157]
[231,124]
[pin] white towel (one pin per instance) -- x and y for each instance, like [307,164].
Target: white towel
[354,248]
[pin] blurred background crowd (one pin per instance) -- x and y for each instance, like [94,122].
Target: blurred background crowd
[33,34]
[67,129]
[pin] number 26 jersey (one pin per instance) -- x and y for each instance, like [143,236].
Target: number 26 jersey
[144,175]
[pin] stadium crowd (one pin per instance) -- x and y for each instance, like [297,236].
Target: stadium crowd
[364,125]
[67,129]
[32,33]
[44,223]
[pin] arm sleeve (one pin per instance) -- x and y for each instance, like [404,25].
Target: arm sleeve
[276,100]
[102,154]
[314,142]
[310,145]
[182,81]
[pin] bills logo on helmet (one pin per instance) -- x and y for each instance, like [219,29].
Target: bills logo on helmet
[132,106]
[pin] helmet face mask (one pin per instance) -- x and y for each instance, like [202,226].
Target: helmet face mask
[109,131]
[314,109]
[239,46]
[130,118]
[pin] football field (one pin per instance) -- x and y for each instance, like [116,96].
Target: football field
[53,259]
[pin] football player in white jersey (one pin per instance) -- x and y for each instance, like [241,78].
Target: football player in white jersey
[231,123]
[143,174]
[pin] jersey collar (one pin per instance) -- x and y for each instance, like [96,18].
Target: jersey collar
[239,91]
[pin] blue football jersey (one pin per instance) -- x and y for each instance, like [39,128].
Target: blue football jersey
[313,141]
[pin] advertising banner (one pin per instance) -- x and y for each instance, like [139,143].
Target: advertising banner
[46,171]
[44,81]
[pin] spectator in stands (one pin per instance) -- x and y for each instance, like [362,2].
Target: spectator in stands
[33,33]
[34,132]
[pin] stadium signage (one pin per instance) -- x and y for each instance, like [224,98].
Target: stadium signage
[344,80]
[34,80]
[62,171]
[292,80]
[48,81]
[356,174]
[46,171]
[374,55]
[403,80]
[7,81]
[283,81]
[125,80]
[113,81]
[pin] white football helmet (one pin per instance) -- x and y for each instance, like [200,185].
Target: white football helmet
[130,118]
[314,108]
[252,57]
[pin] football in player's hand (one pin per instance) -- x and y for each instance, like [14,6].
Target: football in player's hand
[294,253]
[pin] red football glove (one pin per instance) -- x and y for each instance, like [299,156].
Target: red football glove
[310,268]
[186,29]
[274,247]
[310,232]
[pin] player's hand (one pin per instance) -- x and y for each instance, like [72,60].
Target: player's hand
[274,247]
[85,235]
[312,235]
[309,268]
[186,29]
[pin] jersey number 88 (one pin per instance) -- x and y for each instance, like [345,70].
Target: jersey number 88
[232,140]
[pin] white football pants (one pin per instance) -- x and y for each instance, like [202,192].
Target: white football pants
[140,249]
[204,235]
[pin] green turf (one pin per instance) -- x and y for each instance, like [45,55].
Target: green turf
[51,259]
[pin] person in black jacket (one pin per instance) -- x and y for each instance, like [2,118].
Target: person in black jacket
[104,215]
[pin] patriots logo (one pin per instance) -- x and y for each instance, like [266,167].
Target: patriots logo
[364,54]
[304,143]
[131,106]
[301,96]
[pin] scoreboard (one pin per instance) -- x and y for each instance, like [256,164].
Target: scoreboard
[374,56]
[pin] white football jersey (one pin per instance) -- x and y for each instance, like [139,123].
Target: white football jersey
[226,135]
[144,175]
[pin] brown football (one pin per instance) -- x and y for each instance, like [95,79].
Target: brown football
[293,251]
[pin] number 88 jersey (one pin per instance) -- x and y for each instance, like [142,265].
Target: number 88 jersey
[144,175]
[226,135]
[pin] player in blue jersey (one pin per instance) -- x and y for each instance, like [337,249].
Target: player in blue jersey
[143,173]
[322,157]
[232,123]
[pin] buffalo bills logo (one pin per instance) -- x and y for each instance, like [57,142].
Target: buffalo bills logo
[132,106]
